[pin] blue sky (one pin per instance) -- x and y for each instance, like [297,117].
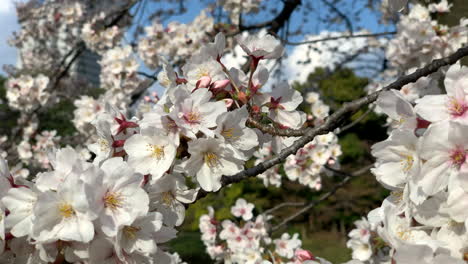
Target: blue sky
[9,24]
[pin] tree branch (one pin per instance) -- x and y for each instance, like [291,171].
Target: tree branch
[370,35]
[347,178]
[281,205]
[334,120]
[355,122]
[346,19]
[278,22]
[276,131]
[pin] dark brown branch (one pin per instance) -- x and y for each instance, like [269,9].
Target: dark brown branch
[347,178]
[334,120]
[147,75]
[346,19]
[278,22]
[76,52]
[272,130]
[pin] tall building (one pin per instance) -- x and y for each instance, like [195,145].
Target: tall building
[87,67]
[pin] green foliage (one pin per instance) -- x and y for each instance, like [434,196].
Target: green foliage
[329,245]
[8,116]
[335,88]
[58,117]
[190,247]
[352,146]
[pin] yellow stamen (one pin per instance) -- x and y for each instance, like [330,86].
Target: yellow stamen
[130,231]
[66,210]
[398,195]
[211,159]
[202,72]
[156,151]
[407,162]
[193,117]
[229,133]
[112,200]
[404,235]
[167,198]
[103,144]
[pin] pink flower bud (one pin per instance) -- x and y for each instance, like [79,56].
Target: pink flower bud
[303,255]
[228,102]
[219,85]
[256,109]
[203,82]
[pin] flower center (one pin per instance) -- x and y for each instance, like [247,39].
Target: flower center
[167,198]
[66,210]
[407,162]
[458,157]
[112,200]
[211,159]
[103,144]
[457,108]
[202,72]
[228,133]
[130,231]
[192,117]
[404,234]
[157,151]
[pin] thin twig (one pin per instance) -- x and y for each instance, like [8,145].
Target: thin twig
[346,179]
[281,205]
[339,37]
[346,19]
[355,122]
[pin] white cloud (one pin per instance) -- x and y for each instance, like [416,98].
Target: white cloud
[6,6]
[303,60]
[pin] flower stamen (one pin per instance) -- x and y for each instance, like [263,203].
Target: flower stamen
[66,210]
[211,159]
[130,231]
[112,200]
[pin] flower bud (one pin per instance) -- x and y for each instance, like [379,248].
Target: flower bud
[203,82]
[228,102]
[219,85]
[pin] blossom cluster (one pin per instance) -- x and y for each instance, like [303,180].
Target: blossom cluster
[84,212]
[27,92]
[176,41]
[423,163]
[366,245]
[127,198]
[43,142]
[247,240]
[420,39]
[309,162]
[119,71]
[99,38]
[237,7]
